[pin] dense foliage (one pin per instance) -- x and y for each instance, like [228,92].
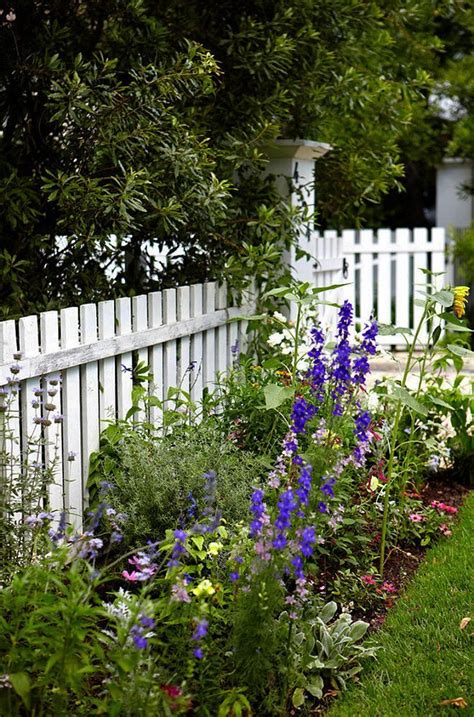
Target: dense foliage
[136,122]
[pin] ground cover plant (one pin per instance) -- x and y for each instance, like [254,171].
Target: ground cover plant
[189,594]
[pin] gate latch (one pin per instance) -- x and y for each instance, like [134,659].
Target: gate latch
[345,268]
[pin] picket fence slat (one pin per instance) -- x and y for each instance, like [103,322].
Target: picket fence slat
[107,387]
[10,434]
[170,348]
[49,329]
[197,345]
[155,356]
[30,431]
[89,391]
[124,364]
[184,313]
[384,277]
[72,448]
[140,323]
[209,367]
[222,358]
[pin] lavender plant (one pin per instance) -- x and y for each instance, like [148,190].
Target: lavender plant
[25,476]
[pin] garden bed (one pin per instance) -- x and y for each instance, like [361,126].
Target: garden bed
[241,558]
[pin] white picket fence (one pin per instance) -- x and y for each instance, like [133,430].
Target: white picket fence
[321,265]
[94,348]
[382,269]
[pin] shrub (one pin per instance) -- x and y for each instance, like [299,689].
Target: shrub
[159,483]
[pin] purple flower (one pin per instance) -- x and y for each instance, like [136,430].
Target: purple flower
[308,538]
[234,576]
[200,629]
[280,542]
[328,487]
[304,484]
[322,507]
[198,653]
[302,413]
[286,505]
[259,510]
[139,638]
[146,621]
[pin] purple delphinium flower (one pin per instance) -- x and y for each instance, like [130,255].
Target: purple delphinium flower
[318,371]
[301,413]
[328,487]
[341,361]
[200,629]
[259,510]
[367,348]
[304,484]
[286,505]
[179,548]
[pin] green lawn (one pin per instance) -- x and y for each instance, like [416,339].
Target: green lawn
[425,656]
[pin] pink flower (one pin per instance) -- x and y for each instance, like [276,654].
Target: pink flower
[416,517]
[389,587]
[445,530]
[368,580]
[132,577]
[443,507]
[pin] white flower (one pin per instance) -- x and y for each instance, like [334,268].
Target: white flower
[280,317]
[275,339]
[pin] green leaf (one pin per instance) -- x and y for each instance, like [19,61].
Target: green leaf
[275,395]
[460,351]
[391,330]
[455,323]
[321,289]
[436,334]
[328,611]
[358,630]
[298,697]
[315,687]
[444,297]
[438,401]
[281,291]
[22,685]
[403,395]
[198,541]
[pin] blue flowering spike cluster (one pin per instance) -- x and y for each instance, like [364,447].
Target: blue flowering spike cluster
[335,378]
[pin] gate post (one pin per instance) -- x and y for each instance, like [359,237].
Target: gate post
[292,163]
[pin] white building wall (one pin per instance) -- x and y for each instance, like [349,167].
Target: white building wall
[453,207]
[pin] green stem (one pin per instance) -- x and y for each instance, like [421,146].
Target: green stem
[393,442]
[295,353]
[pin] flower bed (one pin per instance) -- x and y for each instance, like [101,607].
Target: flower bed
[226,559]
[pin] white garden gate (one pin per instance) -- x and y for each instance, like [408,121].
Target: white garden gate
[382,268]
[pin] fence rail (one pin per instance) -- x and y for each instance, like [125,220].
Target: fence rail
[95,348]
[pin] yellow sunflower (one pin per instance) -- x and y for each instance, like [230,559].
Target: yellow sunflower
[460,300]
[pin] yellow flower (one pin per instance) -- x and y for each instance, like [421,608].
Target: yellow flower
[460,300]
[215,548]
[205,588]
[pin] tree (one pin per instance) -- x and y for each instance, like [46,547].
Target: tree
[442,124]
[132,121]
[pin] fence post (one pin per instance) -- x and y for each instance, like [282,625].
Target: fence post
[292,163]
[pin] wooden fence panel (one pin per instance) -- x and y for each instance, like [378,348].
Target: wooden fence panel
[94,348]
